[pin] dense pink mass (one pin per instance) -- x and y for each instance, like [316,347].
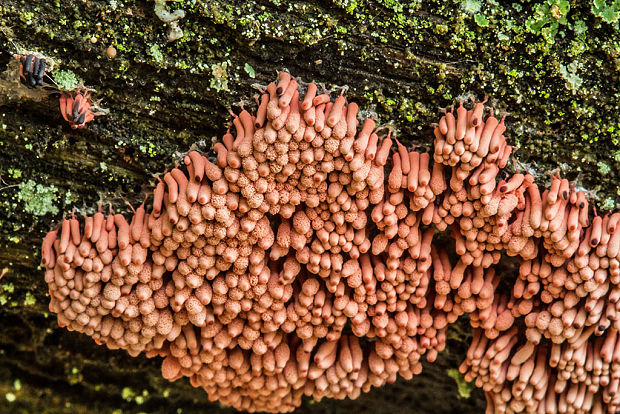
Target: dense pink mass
[298,264]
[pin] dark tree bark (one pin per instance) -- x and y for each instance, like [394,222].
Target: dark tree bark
[400,60]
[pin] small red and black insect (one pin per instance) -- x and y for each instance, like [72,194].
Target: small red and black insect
[76,110]
[32,70]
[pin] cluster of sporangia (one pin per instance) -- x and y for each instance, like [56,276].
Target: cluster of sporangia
[297,265]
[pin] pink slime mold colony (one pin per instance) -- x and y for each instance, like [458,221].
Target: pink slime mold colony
[298,264]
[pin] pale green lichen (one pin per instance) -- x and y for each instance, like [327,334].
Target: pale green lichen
[219,81]
[609,13]
[603,167]
[38,199]
[608,204]
[481,20]
[580,27]
[249,70]
[470,6]
[71,197]
[67,80]
[571,76]
[547,18]
[156,53]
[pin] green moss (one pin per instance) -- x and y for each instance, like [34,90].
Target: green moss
[350,7]
[465,388]
[14,173]
[27,17]
[128,394]
[30,300]
[38,199]
[8,287]
[74,376]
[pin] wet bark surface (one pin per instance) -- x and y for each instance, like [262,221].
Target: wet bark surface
[401,62]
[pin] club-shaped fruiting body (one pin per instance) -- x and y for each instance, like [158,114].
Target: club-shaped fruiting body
[303,262]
